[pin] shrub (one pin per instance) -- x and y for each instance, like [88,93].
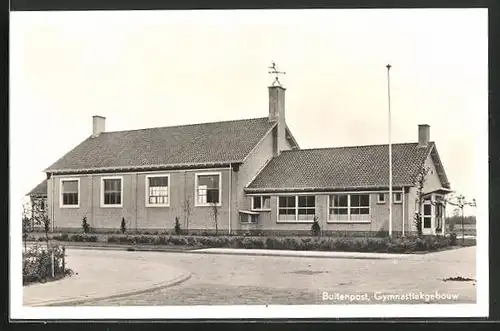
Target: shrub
[177,227]
[85,225]
[82,238]
[123,226]
[315,227]
[453,239]
[417,221]
[38,264]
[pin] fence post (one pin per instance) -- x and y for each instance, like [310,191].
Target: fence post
[64,260]
[52,263]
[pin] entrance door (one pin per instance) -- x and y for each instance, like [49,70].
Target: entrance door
[427,218]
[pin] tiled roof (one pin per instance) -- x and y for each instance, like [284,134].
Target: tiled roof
[40,189]
[341,168]
[217,142]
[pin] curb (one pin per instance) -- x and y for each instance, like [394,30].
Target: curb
[321,256]
[75,301]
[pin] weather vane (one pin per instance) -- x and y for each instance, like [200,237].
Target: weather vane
[274,71]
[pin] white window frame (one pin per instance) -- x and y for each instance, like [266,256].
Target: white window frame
[296,209]
[349,220]
[261,197]
[400,200]
[378,198]
[196,204]
[121,192]
[68,179]
[148,204]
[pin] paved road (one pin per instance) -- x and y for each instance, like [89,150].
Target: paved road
[233,279]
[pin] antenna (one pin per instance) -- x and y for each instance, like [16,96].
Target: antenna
[274,71]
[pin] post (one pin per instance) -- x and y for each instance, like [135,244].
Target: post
[64,260]
[230,200]
[390,148]
[52,263]
[463,232]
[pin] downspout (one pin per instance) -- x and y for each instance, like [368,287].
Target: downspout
[136,202]
[53,209]
[404,215]
[230,200]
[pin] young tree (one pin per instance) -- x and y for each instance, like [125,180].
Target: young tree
[177,227]
[215,215]
[85,225]
[419,183]
[123,226]
[26,222]
[460,202]
[187,213]
[315,227]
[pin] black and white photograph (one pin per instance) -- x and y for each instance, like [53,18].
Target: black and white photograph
[221,164]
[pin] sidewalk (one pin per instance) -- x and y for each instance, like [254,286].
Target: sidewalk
[316,254]
[90,283]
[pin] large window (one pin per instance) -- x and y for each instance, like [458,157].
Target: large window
[157,190]
[208,189]
[261,202]
[349,208]
[111,191]
[300,208]
[70,193]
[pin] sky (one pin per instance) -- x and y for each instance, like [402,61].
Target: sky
[159,68]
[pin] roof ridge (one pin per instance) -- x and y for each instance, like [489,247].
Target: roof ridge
[187,125]
[351,146]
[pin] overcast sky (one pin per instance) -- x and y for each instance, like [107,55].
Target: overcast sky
[160,68]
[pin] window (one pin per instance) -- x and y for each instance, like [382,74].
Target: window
[381,198]
[157,190]
[42,205]
[397,197]
[296,208]
[307,207]
[349,208]
[208,189]
[261,203]
[111,192]
[248,218]
[69,193]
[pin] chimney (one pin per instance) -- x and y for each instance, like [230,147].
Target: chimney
[423,135]
[277,114]
[98,125]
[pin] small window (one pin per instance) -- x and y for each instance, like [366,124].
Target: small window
[261,203]
[208,189]
[157,190]
[69,192]
[112,189]
[381,198]
[248,218]
[42,205]
[397,197]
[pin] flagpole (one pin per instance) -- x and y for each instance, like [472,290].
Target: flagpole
[390,148]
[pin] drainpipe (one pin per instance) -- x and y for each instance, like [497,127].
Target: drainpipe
[403,196]
[230,201]
[53,209]
[136,201]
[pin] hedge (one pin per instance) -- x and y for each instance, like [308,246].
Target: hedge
[346,244]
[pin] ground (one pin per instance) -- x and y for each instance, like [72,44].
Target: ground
[235,279]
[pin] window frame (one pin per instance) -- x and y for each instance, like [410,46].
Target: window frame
[147,203]
[296,209]
[208,204]
[61,201]
[349,220]
[103,205]
[400,200]
[261,197]
[378,198]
